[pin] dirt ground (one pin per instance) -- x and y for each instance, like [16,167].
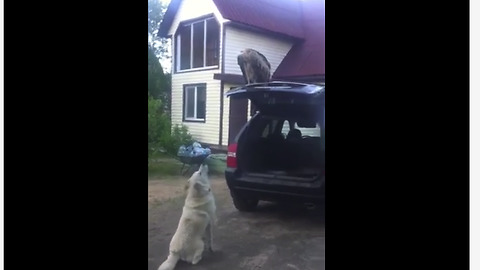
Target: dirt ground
[273,237]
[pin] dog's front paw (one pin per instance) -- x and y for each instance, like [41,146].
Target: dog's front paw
[196,259]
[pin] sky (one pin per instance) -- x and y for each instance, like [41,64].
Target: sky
[167,63]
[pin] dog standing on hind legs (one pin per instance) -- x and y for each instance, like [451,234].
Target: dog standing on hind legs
[194,231]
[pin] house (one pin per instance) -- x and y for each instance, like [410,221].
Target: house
[207,36]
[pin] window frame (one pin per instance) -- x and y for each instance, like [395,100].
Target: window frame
[184,104]
[178,40]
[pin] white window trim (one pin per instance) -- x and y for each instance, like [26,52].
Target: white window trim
[204,43]
[197,69]
[191,46]
[194,118]
[179,47]
[179,41]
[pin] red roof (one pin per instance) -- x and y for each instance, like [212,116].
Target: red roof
[301,19]
[278,16]
[307,59]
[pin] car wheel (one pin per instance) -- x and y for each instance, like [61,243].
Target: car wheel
[243,204]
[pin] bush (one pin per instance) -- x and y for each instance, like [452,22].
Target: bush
[158,126]
[160,133]
[179,136]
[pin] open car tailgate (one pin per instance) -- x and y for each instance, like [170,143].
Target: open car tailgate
[284,98]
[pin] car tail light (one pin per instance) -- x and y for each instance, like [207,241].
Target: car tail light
[232,156]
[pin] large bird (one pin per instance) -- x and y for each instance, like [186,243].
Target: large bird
[254,65]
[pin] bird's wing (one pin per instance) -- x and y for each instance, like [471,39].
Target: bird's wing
[265,59]
[262,68]
[241,63]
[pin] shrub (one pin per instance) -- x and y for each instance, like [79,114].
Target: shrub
[158,126]
[160,133]
[179,136]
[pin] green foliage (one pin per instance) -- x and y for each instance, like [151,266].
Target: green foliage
[160,133]
[158,83]
[156,10]
[179,136]
[163,167]
[155,15]
[215,165]
[182,136]
[158,126]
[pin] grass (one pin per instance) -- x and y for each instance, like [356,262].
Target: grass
[164,169]
[174,201]
[216,166]
[164,165]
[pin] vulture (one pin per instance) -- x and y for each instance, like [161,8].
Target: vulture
[254,65]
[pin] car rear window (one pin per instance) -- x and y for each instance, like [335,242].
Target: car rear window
[268,127]
[310,131]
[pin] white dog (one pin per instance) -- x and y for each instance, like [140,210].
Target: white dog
[195,225]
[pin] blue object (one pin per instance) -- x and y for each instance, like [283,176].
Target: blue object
[194,150]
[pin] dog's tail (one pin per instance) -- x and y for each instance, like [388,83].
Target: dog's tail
[170,262]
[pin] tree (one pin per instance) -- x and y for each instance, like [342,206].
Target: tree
[158,125]
[158,83]
[159,88]
[158,48]
[156,10]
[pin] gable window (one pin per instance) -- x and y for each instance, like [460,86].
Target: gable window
[194,102]
[198,44]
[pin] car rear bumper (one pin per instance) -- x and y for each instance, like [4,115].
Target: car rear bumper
[271,189]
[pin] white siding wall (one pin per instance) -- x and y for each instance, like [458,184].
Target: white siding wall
[190,9]
[207,132]
[236,40]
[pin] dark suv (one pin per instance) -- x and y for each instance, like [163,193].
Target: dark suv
[279,154]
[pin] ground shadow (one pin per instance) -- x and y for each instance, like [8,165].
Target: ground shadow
[290,212]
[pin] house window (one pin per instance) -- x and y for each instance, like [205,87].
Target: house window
[194,102]
[198,44]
